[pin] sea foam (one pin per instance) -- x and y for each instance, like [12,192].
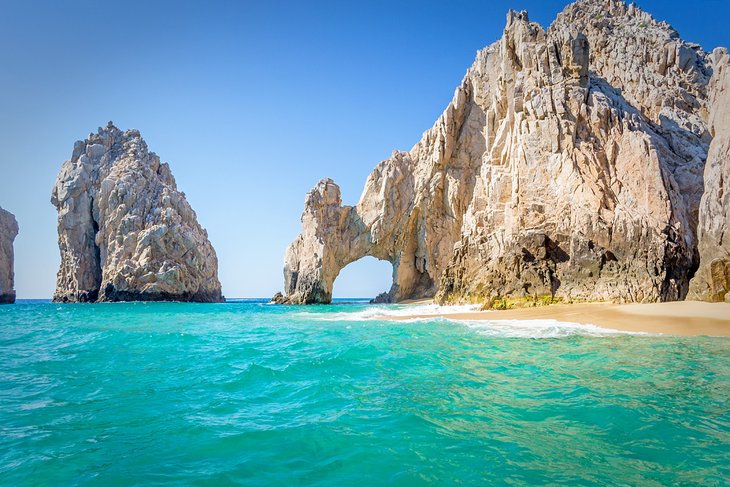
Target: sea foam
[391,311]
[540,328]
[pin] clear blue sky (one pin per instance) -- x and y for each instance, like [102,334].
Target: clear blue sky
[251,103]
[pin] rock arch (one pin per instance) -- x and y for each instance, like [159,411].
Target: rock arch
[334,236]
[568,163]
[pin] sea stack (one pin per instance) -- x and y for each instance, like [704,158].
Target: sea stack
[125,232]
[712,281]
[569,165]
[8,232]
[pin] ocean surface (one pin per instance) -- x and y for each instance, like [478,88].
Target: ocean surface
[254,394]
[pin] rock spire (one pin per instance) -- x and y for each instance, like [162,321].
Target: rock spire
[125,232]
[8,232]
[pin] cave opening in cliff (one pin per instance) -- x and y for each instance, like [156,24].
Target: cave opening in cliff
[96,256]
[367,277]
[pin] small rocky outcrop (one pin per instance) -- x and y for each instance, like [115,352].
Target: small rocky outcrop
[124,230]
[8,232]
[382,298]
[278,299]
[712,281]
[569,164]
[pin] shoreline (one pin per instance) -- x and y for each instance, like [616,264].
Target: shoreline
[681,318]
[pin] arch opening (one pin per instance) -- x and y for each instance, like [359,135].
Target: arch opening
[366,277]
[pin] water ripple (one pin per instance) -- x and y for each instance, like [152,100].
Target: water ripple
[153,393]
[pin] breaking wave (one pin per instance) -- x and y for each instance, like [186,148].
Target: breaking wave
[539,329]
[390,311]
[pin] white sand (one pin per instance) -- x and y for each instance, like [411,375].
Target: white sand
[686,318]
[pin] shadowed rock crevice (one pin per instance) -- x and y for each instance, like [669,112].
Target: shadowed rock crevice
[712,279]
[125,232]
[569,164]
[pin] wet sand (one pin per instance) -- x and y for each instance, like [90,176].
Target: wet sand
[686,318]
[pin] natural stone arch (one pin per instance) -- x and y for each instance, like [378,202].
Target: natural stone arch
[552,173]
[334,236]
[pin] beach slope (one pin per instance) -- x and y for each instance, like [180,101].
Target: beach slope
[685,318]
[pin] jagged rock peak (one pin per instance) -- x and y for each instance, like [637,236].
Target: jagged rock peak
[514,15]
[568,164]
[659,73]
[125,232]
[8,232]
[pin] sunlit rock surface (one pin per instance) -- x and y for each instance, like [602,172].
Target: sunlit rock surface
[8,232]
[569,164]
[712,282]
[124,230]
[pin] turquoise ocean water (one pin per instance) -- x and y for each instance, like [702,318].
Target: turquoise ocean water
[253,394]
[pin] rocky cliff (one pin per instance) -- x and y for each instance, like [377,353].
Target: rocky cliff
[712,281]
[569,164]
[124,230]
[8,232]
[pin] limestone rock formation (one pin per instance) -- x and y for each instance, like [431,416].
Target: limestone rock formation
[278,299]
[8,232]
[568,164]
[712,281]
[382,298]
[124,230]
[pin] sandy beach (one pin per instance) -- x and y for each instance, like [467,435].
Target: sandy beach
[685,318]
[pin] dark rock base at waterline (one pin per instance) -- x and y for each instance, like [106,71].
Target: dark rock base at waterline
[112,296]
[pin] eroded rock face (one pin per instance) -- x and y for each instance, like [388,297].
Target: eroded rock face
[8,232]
[124,230]
[712,281]
[569,163]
